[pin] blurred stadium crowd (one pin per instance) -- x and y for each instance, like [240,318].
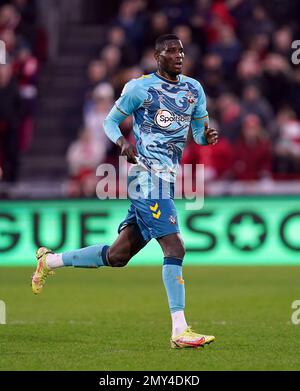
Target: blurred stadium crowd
[26,50]
[240,50]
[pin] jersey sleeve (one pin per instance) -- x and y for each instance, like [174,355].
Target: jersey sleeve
[131,99]
[200,119]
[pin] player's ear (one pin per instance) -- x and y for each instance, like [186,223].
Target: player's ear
[156,55]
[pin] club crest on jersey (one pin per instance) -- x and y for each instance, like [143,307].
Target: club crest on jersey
[190,97]
[164,118]
[172,220]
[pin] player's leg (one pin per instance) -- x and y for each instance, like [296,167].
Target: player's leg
[182,335]
[128,243]
[173,250]
[88,257]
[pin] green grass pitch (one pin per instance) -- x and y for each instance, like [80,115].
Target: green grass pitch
[110,319]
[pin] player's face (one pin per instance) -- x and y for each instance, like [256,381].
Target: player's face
[170,59]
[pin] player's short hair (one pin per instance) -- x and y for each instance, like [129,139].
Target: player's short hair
[162,39]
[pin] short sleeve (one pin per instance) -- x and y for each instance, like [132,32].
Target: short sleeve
[132,97]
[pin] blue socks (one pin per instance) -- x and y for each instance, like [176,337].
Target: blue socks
[174,284]
[93,256]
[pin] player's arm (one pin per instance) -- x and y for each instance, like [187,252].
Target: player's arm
[202,133]
[130,100]
[113,132]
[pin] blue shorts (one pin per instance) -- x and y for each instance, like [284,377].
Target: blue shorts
[155,217]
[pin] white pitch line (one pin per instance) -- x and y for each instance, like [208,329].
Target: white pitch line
[24,322]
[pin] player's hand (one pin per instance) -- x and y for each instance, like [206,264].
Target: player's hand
[127,150]
[212,135]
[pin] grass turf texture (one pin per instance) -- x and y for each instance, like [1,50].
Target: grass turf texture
[119,320]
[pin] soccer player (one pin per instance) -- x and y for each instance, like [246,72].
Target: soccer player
[164,105]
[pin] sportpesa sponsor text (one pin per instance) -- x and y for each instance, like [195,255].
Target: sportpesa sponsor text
[164,118]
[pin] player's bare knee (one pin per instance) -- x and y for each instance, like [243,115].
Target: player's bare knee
[178,248]
[122,261]
[182,252]
[118,258]
[176,251]
[179,251]
[181,247]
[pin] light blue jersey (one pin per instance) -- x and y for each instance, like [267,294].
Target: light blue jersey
[163,111]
